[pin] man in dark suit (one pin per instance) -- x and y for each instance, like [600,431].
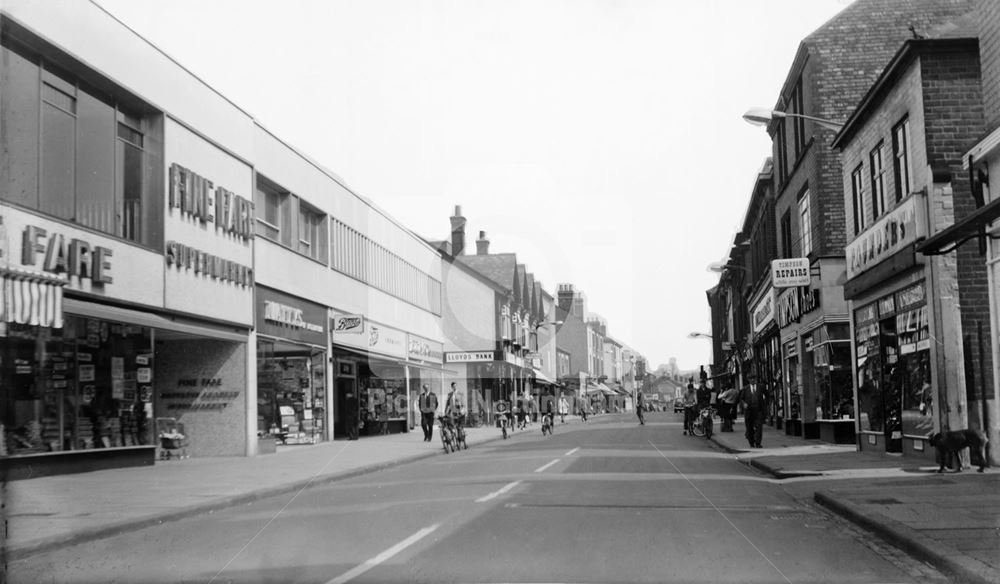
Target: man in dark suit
[428,406]
[752,397]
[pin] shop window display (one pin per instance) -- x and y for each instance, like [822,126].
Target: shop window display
[85,386]
[290,395]
[383,400]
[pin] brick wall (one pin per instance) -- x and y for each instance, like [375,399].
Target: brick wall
[954,117]
[838,63]
[989,51]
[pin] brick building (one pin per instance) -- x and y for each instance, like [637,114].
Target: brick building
[976,214]
[903,180]
[832,70]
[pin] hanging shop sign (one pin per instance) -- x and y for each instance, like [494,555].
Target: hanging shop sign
[469,357]
[763,312]
[425,350]
[197,197]
[789,272]
[892,233]
[348,324]
[287,317]
[377,338]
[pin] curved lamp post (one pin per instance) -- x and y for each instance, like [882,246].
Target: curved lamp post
[762,116]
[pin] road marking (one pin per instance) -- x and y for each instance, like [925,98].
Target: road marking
[545,466]
[724,516]
[382,557]
[496,494]
[572,452]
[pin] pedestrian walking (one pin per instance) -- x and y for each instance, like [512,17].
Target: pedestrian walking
[690,401]
[351,415]
[753,401]
[640,406]
[428,405]
[727,410]
[563,407]
[583,405]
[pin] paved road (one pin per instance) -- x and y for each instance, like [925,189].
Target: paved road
[602,501]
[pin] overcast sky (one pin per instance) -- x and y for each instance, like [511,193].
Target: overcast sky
[599,140]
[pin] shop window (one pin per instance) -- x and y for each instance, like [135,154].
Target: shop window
[291,392]
[81,154]
[88,385]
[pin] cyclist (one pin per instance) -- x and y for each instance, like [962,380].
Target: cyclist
[704,400]
[453,409]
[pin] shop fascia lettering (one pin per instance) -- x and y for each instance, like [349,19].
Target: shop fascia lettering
[469,357]
[288,315]
[351,324]
[202,262]
[764,311]
[901,227]
[196,196]
[74,257]
[425,350]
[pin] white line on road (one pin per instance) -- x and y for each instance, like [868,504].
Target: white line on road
[382,557]
[545,466]
[496,494]
[572,452]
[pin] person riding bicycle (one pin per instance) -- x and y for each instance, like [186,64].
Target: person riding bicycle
[690,401]
[453,409]
[704,400]
[522,414]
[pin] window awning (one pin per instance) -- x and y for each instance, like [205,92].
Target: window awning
[969,227]
[543,378]
[31,298]
[157,321]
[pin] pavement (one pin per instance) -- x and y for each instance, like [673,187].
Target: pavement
[951,521]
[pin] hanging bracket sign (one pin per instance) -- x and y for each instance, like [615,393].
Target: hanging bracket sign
[790,272]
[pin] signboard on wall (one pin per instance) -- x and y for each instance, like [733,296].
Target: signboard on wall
[287,317]
[349,324]
[376,338]
[426,350]
[469,357]
[789,272]
[763,311]
[896,230]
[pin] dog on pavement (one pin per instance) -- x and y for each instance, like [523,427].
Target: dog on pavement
[950,445]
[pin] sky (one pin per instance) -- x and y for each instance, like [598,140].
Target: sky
[599,140]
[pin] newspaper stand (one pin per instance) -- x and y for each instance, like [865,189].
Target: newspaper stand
[173,440]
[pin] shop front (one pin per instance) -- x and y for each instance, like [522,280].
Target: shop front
[766,361]
[425,364]
[292,392]
[473,371]
[895,362]
[91,360]
[792,304]
[371,379]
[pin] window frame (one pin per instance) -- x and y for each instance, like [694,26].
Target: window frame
[876,170]
[902,165]
[858,198]
[805,223]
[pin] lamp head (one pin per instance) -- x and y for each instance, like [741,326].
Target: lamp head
[761,116]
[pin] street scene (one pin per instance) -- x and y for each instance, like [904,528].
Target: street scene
[499,291]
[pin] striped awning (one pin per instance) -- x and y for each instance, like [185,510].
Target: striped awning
[31,298]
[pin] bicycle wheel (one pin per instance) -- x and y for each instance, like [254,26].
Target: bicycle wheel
[698,428]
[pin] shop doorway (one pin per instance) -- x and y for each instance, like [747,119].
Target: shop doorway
[344,386]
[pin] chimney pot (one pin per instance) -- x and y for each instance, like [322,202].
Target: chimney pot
[482,244]
[458,232]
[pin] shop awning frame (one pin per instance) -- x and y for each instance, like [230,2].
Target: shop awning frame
[541,377]
[968,228]
[155,321]
[427,366]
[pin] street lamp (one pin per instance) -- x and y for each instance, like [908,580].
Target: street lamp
[719,267]
[697,335]
[762,116]
[541,324]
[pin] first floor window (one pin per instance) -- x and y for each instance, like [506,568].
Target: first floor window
[805,224]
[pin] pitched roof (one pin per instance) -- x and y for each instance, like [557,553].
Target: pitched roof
[499,267]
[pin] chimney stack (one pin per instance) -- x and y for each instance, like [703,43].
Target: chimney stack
[482,244]
[458,232]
